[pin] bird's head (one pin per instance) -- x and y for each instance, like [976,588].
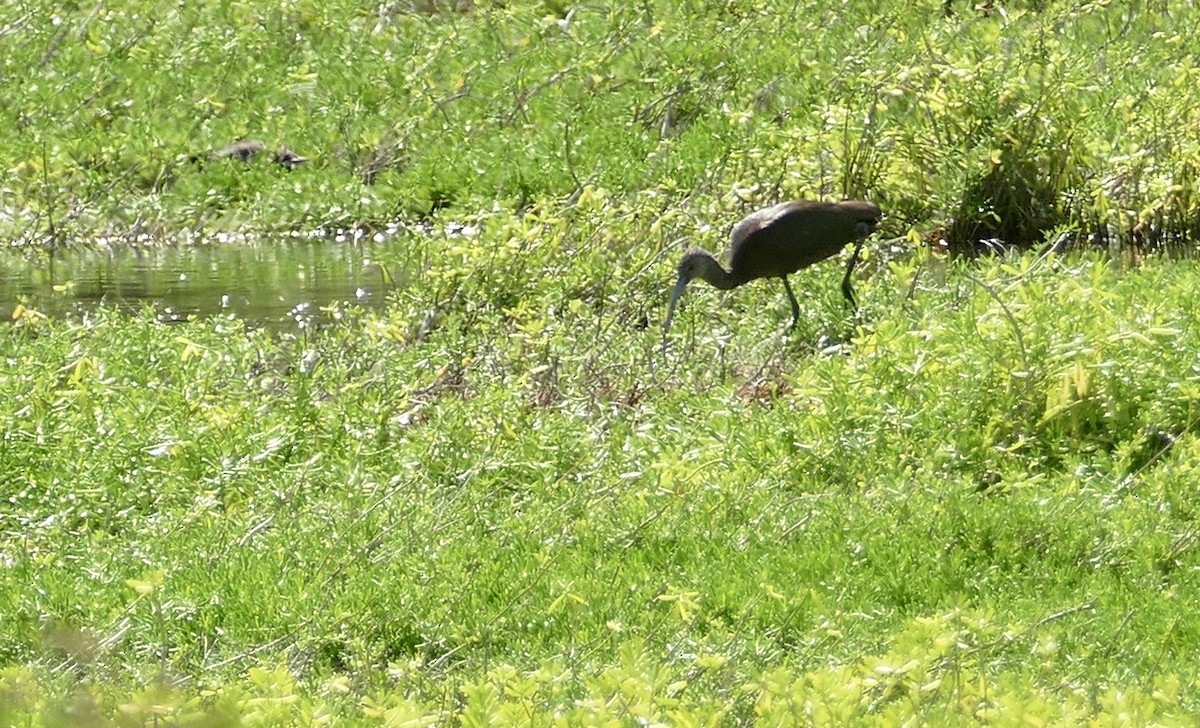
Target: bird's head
[285,157]
[694,264]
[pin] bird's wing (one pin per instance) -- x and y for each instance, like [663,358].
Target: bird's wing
[757,220]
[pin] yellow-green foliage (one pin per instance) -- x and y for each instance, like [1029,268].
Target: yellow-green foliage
[975,508]
[1014,119]
[502,499]
[942,670]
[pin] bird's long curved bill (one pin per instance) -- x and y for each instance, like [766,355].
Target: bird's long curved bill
[675,294]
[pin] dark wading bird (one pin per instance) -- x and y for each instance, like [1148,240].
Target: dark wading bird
[777,241]
[247,149]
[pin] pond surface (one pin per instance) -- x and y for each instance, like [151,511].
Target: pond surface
[274,283]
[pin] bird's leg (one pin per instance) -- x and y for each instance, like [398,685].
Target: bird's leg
[847,289]
[795,306]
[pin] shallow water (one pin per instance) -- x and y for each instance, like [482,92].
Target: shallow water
[273,283]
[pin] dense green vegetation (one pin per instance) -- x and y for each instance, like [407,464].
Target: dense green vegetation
[499,501]
[1075,114]
[975,508]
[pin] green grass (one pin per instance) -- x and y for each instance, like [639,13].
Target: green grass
[498,500]
[1012,124]
[966,511]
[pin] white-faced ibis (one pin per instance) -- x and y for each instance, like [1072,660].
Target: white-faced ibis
[777,241]
[246,149]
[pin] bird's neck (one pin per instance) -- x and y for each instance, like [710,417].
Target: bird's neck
[713,273]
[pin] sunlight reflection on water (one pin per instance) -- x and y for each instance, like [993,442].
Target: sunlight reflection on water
[273,282]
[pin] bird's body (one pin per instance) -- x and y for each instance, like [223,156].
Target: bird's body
[243,150]
[777,241]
